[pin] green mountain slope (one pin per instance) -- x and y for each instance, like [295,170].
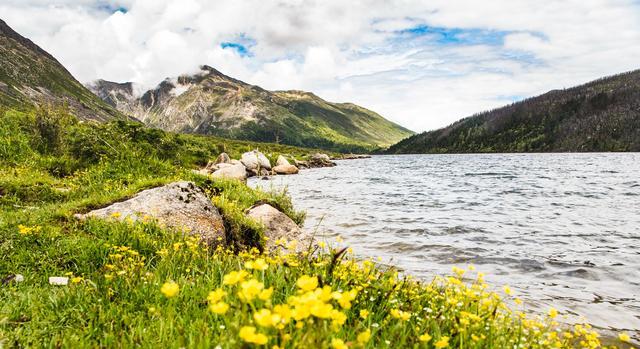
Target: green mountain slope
[603,115]
[30,76]
[210,102]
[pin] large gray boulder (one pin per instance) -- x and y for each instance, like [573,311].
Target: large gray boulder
[180,205]
[250,161]
[282,161]
[285,169]
[238,172]
[277,225]
[255,160]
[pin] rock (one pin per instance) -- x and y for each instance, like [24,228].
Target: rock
[285,169]
[264,161]
[250,161]
[179,205]
[235,162]
[282,161]
[300,164]
[18,278]
[224,164]
[277,225]
[238,172]
[223,158]
[58,280]
[264,172]
[352,157]
[255,160]
[320,160]
[202,171]
[211,167]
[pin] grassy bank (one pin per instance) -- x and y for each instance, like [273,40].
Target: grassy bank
[140,285]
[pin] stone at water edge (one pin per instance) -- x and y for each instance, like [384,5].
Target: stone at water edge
[250,161]
[263,160]
[285,169]
[223,158]
[282,161]
[320,160]
[238,172]
[180,205]
[277,226]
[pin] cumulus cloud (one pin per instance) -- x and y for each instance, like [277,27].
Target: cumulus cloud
[423,64]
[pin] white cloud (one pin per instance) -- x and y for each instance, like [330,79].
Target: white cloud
[348,51]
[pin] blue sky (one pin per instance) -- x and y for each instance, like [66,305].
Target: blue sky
[423,64]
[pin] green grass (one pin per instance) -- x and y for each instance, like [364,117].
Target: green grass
[119,270]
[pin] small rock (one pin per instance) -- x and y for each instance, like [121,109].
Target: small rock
[277,225]
[282,161]
[58,280]
[263,160]
[255,160]
[223,158]
[18,278]
[285,169]
[320,160]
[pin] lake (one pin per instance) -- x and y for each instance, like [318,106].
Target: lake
[559,229]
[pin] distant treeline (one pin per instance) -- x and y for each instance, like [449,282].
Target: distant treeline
[602,115]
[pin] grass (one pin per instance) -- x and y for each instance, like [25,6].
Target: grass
[135,284]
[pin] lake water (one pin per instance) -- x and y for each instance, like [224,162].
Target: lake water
[559,229]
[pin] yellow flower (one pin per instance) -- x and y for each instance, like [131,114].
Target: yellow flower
[265,318]
[363,337]
[552,313]
[458,271]
[307,283]
[425,337]
[284,311]
[443,342]
[170,289]
[116,215]
[364,314]
[76,280]
[624,337]
[399,314]
[234,277]
[250,289]
[217,295]
[249,335]
[258,264]
[507,290]
[338,344]
[265,295]
[219,308]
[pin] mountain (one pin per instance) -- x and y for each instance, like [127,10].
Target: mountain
[602,115]
[30,76]
[212,103]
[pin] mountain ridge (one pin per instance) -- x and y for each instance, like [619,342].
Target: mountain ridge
[30,76]
[600,115]
[210,102]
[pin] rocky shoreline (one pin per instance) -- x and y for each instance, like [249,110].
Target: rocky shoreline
[255,163]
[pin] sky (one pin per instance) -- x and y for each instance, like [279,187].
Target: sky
[422,64]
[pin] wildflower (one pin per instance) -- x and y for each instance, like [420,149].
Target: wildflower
[284,311]
[234,277]
[250,289]
[258,264]
[307,283]
[363,337]
[249,335]
[424,338]
[170,289]
[507,290]
[76,280]
[443,342]
[116,215]
[624,337]
[215,296]
[458,271]
[552,313]
[265,318]
[364,314]
[163,252]
[399,314]
[265,295]
[219,308]
[338,344]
